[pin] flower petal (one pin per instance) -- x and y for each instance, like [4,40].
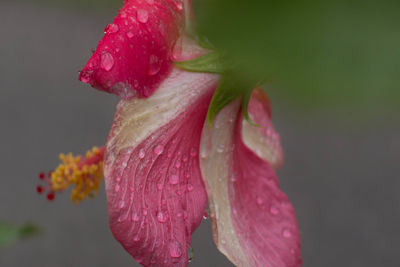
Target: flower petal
[155,193]
[263,140]
[254,223]
[134,55]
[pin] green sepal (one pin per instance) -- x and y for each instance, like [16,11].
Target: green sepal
[210,63]
[231,86]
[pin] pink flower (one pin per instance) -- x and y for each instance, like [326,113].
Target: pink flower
[162,160]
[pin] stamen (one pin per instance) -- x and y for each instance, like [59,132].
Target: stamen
[83,172]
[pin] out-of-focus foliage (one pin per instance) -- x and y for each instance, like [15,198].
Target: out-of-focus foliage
[315,52]
[10,233]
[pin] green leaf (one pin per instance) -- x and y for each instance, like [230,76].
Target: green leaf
[315,53]
[9,233]
[210,63]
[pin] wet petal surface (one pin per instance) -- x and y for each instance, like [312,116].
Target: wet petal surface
[134,56]
[155,193]
[254,223]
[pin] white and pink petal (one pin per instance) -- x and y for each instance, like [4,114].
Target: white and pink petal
[155,193]
[254,223]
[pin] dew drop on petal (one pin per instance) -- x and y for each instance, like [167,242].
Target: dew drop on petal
[175,250]
[136,238]
[135,217]
[259,200]
[86,76]
[174,179]
[220,149]
[154,65]
[160,186]
[193,152]
[161,217]
[274,210]
[141,153]
[142,15]
[205,215]
[130,34]
[136,83]
[190,187]
[107,61]
[117,188]
[179,5]
[111,28]
[158,150]
[178,164]
[286,233]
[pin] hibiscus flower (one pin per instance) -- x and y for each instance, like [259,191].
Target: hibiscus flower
[163,160]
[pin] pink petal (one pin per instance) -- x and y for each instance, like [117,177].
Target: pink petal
[254,223]
[134,55]
[263,140]
[155,193]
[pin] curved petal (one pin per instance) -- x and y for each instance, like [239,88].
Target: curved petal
[263,140]
[254,223]
[155,193]
[134,55]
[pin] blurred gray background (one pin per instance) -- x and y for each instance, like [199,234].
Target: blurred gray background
[341,169]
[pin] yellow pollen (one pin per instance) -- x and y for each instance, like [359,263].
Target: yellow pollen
[85,173]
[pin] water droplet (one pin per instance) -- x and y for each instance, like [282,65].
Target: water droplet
[179,5]
[135,217]
[154,65]
[174,179]
[141,153]
[121,204]
[117,188]
[130,34]
[190,187]
[193,152]
[220,149]
[160,186]
[178,164]
[136,238]
[135,83]
[205,215]
[145,212]
[86,76]
[142,15]
[158,150]
[274,210]
[111,28]
[161,217]
[175,250]
[286,233]
[107,61]
[259,200]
